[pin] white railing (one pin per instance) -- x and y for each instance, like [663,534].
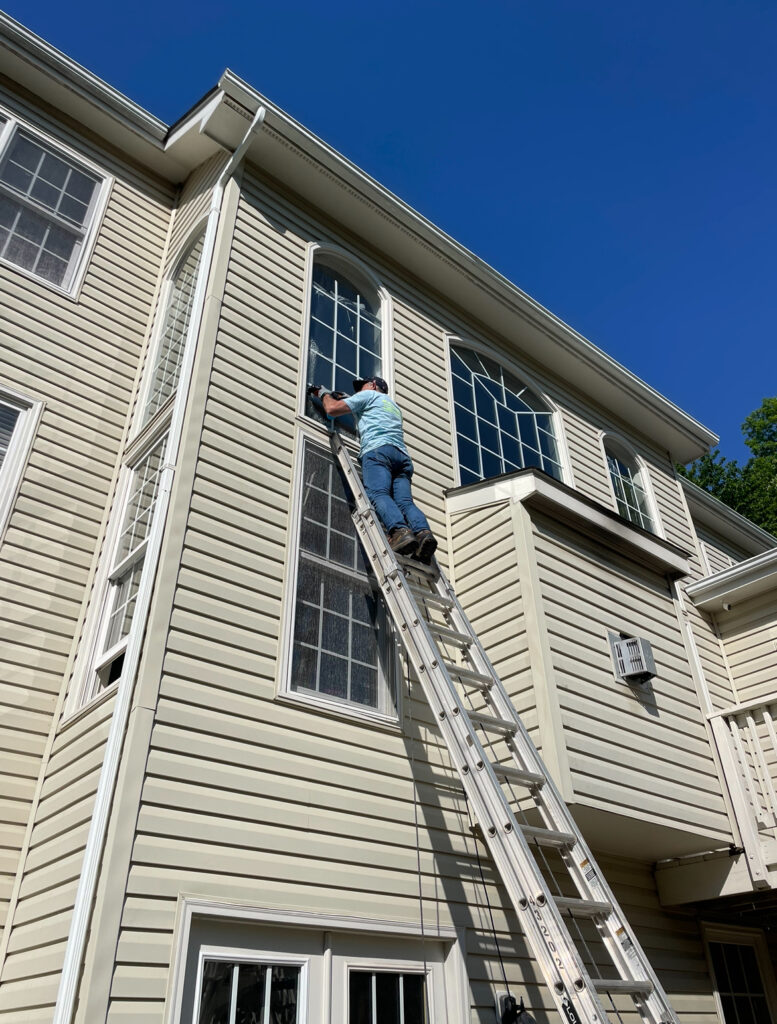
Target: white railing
[746,738]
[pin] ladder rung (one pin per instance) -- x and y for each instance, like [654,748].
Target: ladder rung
[427,597]
[575,907]
[501,725]
[548,837]
[429,572]
[635,987]
[510,773]
[469,676]
[452,635]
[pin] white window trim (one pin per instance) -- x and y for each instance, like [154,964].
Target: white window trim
[191,907]
[319,251]
[253,956]
[99,202]
[644,474]
[432,972]
[139,426]
[741,936]
[18,453]
[505,360]
[307,434]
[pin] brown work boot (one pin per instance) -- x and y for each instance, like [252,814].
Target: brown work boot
[427,546]
[402,540]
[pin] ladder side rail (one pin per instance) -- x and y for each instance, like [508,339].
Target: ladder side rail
[622,944]
[543,924]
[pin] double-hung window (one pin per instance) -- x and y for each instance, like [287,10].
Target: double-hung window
[629,487]
[501,424]
[142,478]
[342,648]
[48,205]
[128,562]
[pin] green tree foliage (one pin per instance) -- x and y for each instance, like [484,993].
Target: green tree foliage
[751,489]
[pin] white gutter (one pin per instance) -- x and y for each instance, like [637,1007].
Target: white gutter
[738,583]
[87,885]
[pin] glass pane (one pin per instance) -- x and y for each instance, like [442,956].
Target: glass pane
[284,996]
[49,180]
[387,998]
[169,356]
[414,991]
[250,993]
[144,487]
[215,992]
[360,997]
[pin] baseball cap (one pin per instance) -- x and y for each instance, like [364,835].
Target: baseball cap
[358,383]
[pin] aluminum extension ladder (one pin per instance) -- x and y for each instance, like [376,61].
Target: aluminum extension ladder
[447,658]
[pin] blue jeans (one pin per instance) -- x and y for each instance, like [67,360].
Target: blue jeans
[386,472]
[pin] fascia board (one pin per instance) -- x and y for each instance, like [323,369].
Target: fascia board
[309,166]
[537,491]
[741,582]
[713,513]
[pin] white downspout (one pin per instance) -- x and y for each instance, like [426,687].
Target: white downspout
[76,941]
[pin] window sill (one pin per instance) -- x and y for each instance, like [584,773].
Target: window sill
[85,709]
[318,705]
[543,493]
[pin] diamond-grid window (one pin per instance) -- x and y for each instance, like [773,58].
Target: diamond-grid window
[167,365]
[47,204]
[501,425]
[342,648]
[630,495]
[345,335]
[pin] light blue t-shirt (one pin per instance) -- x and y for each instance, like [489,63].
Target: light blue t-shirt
[378,419]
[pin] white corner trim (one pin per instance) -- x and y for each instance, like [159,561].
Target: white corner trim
[740,582]
[536,490]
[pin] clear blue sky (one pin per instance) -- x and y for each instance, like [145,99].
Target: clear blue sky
[614,158]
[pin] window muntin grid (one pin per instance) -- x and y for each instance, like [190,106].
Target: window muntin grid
[386,997]
[123,605]
[739,983]
[143,494]
[167,365]
[238,993]
[630,496]
[342,648]
[501,425]
[9,418]
[344,338]
[46,204]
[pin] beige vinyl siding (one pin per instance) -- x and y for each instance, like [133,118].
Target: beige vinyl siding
[488,585]
[52,868]
[653,743]
[79,357]
[719,554]
[749,635]
[247,797]
[711,655]
[193,205]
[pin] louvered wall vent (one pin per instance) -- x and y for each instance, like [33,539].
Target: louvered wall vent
[632,657]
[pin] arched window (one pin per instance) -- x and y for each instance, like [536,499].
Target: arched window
[501,425]
[345,333]
[169,354]
[628,485]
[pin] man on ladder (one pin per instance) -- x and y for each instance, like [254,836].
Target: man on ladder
[386,464]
